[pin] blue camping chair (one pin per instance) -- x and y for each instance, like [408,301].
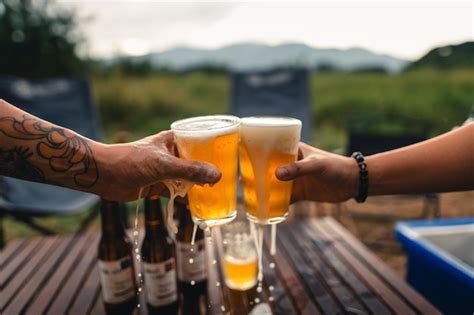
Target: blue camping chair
[65,102]
[273,93]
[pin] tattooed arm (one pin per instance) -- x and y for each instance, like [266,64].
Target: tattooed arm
[36,150]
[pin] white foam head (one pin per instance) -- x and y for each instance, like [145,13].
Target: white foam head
[266,134]
[206,126]
[270,121]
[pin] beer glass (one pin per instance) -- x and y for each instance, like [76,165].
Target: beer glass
[212,139]
[265,144]
[239,256]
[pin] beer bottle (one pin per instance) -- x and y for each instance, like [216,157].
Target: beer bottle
[159,262]
[191,259]
[117,276]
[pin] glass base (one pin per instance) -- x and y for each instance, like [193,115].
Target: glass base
[274,220]
[203,223]
[240,286]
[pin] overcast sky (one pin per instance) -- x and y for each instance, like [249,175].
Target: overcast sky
[402,29]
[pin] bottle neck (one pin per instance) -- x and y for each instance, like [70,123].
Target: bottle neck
[154,223]
[112,225]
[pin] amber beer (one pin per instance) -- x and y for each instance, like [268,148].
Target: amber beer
[117,276]
[239,256]
[265,144]
[240,272]
[213,139]
[159,266]
[190,259]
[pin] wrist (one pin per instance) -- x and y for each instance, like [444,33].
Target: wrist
[104,159]
[353,178]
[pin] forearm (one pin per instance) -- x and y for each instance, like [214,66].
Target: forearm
[444,163]
[34,149]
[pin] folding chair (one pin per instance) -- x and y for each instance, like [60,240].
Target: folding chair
[66,102]
[273,93]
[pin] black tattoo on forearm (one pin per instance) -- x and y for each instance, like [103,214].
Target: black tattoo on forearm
[64,150]
[14,163]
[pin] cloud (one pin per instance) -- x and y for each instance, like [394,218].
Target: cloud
[404,29]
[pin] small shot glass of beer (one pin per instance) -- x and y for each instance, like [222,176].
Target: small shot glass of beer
[239,256]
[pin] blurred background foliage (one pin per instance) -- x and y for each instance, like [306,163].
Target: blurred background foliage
[41,39]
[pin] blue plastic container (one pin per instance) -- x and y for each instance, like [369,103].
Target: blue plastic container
[441,261]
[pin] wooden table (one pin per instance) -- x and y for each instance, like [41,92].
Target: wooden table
[320,269]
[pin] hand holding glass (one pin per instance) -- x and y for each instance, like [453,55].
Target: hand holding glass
[212,139]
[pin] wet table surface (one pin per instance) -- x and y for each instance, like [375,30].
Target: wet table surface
[319,268]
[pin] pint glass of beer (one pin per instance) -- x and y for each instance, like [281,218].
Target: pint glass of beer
[212,139]
[265,144]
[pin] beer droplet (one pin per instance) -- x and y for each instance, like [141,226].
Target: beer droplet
[139,289]
[272,265]
[271,299]
[218,284]
[214,262]
[271,288]
[223,308]
[259,289]
[257,300]
[135,233]
[191,260]
[193,282]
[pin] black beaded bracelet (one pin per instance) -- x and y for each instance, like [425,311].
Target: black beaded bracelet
[363,177]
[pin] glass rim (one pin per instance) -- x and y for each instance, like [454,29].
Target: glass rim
[290,121]
[233,120]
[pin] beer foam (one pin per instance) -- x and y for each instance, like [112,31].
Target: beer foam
[267,134]
[206,126]
[247,259]
[176,188]
[270,121]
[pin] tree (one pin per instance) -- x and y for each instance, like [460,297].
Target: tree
[38,39]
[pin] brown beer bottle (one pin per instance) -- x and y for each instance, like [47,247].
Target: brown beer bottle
[159,266]
[117,275]
[190,259]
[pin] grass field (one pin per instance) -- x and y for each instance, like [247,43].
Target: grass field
[409,102]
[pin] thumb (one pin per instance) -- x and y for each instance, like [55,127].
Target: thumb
[297,169]
[195,171]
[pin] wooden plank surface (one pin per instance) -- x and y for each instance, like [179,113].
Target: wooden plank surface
[60,276]
[351,280]
[319,268]
[300,296]
[390,297]
[39,277]
[68,293]
[16,262]
[381,269]
[28,269]
[11,251]
[347,300]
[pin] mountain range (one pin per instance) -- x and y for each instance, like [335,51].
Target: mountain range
[255,56]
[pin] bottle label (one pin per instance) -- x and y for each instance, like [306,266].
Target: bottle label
[117,280]
[160,283]
[191,261]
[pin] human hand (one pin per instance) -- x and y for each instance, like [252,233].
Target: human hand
[125,168]
[321,176]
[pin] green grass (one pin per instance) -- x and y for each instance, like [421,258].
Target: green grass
[409,102]
[425,100]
